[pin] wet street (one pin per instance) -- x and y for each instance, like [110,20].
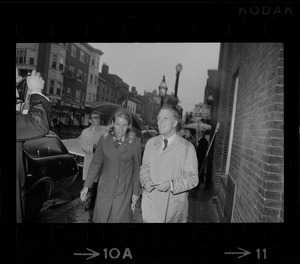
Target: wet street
[68,208]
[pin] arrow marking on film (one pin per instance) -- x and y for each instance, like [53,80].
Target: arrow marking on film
[243,254]
[92,255]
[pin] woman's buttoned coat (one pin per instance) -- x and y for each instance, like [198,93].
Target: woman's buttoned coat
[178,162]
[119,179]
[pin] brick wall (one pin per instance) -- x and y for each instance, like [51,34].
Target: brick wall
[256,163]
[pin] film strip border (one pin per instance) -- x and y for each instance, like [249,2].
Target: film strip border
[185,243]
[153,243]
[215,21]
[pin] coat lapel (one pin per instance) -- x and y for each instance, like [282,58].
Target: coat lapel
[122,148]
[112,146]
[158,141]
[173,144]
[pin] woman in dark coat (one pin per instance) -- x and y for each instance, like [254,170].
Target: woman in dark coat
[119,150]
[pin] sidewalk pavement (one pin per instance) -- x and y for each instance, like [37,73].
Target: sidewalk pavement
[201,208]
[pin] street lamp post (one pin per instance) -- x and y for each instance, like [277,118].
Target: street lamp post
[162,90]
[178,70]
[210,101]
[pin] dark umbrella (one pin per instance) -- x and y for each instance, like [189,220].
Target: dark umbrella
[108,109]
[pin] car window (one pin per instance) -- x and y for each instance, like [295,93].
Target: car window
[44,147]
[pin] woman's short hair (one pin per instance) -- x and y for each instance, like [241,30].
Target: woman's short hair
[175,115]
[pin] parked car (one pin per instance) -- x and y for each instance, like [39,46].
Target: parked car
[74,148]
[50,170]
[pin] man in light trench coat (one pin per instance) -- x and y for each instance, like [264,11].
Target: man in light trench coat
[88,139]
[169,170]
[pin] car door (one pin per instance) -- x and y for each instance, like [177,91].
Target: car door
[47,158]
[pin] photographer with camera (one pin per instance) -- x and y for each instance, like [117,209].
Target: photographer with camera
[32,125]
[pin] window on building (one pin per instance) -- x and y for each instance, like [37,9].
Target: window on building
[86,58]
[95,80]
[78,96]
[69,93]
[103,89]
[72,68]
[236,84]
[91,78]
[80,74]
[84,76]
[61,64]
[89,97]
[93,61]
[94,97]
[54,61]
[51,88]
[58,88]
[73,50]
[21,56]
[82,56]
[31,58]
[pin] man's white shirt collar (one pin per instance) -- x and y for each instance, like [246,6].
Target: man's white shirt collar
[170,139]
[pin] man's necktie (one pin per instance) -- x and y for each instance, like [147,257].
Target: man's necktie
[165,144]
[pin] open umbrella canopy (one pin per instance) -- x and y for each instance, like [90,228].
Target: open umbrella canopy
[108,109]
[197,125]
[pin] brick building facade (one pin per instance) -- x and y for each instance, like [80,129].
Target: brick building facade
[248,162]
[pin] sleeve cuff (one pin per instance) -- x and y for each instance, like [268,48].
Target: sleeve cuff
[41,95]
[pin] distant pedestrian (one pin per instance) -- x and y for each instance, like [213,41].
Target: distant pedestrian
[169,170]
[89,138]
[193,137]
[201,150]
[119,151]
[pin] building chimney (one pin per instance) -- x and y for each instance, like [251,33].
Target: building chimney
[105,69]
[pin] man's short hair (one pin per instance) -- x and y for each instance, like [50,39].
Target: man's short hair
[175,115]
[94,113]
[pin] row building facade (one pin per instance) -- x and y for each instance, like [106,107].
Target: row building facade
[74,83]
[70,72]
[248,152]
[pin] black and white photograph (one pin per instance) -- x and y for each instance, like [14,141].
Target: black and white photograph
[150,132]
[222,105]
